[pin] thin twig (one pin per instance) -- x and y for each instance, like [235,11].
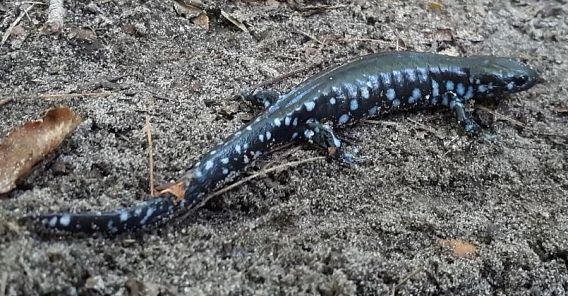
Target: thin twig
[311,37]
[60,96]
[3,283]
[5,101]
[251,177]
[351,39]
[261,173]
[286,75]
[426,128]
[380,122]
[148,129]
[14,24]
[405,279]
[65,96]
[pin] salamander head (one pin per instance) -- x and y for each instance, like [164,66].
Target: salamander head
[492,75]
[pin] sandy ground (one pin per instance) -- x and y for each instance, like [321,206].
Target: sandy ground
[382,227]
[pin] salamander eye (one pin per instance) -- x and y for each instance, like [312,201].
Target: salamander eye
[520,80]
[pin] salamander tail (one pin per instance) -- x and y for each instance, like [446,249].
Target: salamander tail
[115,222]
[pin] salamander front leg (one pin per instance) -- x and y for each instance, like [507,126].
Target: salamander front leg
[463,116]
[322,136]
[261,98]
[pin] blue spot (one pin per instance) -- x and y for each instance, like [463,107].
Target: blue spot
[373,110]
[332,101]
[269,135]
[309,106]
[53,222]
[396,103]
[435,89]
[460,89]
[294,135]
[391,94]
[225,171]
[482,88]
[149,213]
[238,148]
[469,94]
[510,86]
[261,137]
[308,133]
[287,120]
[65,220]
[343,118]
[365,93]
[277,121]
[225,160]
[295,122]
[123,216]
[351,90]
[353,105]
[208,164]
[373,82]
[416,95]
[449,85]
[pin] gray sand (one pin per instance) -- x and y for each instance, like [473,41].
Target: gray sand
[313,229]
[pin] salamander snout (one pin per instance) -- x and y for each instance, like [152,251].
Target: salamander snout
[514,75]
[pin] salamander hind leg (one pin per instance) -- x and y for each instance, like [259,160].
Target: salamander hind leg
[322,136]
[261,98]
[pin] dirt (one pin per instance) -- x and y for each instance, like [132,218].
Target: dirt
[398,223]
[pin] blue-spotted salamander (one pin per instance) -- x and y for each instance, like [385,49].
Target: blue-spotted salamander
[365,87]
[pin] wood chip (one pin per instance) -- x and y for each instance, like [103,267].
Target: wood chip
[29,143]
[202,20]
[459,248]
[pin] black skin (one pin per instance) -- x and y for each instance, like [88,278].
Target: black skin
[365,87]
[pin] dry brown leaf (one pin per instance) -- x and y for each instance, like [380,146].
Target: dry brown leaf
[460,248]
[234,21]
[177,190]
[26,145]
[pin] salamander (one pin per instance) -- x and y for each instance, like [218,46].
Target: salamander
[367,86]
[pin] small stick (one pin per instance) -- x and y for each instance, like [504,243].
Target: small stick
[426,128]
[65,96]
[286,75]
[3,283]
[405,279]
[14,24]
[311,37]
[260,173]
[148,129]
[253,176]
[55,16]
[380,122]
[5,101]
